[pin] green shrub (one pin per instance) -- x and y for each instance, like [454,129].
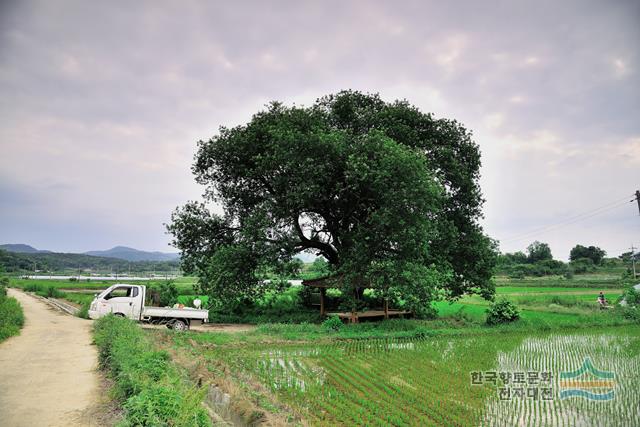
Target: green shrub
[47,292]
[502,311]
[11,316]
[83,313]
[582,265]
[631,313]
[152,389]
[332,324]
[32,287]
[631,296]
[463,317]
[160,402]
[273,307]
[168,293]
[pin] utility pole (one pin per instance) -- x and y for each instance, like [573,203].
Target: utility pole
[638,200]
[633,260]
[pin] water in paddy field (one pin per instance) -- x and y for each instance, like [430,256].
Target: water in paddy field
[431,381]
[607,395]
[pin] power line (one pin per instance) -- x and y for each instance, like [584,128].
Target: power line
[573,219]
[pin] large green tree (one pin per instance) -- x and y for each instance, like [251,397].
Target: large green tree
[387,194]
[594,253]
[538,251]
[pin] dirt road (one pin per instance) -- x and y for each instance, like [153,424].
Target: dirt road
[48,373]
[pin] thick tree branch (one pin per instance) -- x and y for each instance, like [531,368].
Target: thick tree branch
[327,250]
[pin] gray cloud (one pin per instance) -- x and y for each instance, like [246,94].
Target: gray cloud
[102,103]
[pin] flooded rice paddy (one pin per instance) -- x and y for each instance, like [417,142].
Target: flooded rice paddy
[585,378]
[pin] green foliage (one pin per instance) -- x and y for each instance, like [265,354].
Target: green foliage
[229,274]
[631,313]
[43,290]
[504,260]
[538,251]
[320,268]
[152,389]
[11,315]
[539,262]
[332,324]
[502,311]
[368,185]
[582,265]
[631,296]
[83,312]
[168,293]
[289,269]
[547,267]
[593,253]
[275,305]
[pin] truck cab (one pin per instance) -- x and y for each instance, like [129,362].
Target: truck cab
[120,299]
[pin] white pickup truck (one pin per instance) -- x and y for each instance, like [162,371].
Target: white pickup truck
[127,300]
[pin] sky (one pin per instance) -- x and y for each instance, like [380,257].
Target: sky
[102,104]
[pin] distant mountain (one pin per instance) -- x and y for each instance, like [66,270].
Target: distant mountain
[15,262]
[131,254]
[22,249]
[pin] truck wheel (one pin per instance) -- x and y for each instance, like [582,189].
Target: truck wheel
[179,325]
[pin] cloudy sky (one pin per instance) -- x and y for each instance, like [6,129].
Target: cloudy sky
[102,103]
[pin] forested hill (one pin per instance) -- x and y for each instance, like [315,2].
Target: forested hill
[56,262]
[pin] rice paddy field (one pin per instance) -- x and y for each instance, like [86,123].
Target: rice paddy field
[448,381]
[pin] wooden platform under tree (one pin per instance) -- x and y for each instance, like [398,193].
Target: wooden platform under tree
[371,315]
[324,283]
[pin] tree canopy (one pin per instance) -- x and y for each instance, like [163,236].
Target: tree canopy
[538,251]
[593,253]
[388,195]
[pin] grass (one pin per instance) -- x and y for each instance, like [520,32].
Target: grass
[153,391]
[11,315]
[550,289]
[595,280]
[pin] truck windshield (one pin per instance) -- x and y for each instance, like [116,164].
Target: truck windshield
[122,292]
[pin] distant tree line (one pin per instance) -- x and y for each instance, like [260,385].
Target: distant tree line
[538,261]
[14,262]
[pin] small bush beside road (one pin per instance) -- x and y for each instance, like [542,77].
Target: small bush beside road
[11,315]
[152,389]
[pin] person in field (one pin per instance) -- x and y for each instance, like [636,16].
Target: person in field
[602,300]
